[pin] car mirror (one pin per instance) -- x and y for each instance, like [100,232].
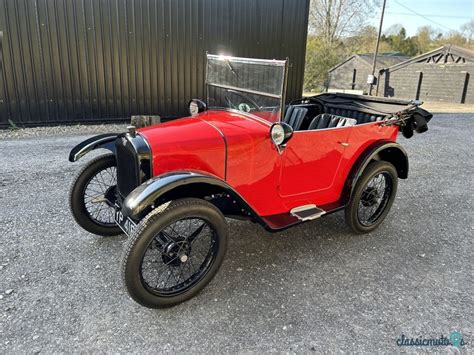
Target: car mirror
[196,106]
[281,133]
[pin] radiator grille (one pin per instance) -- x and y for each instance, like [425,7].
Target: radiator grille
[128,173]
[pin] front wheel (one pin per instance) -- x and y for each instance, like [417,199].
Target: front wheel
[372,197]
[174,252]
[92,196]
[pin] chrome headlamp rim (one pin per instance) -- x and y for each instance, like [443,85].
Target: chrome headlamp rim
[196,106]
[280,133]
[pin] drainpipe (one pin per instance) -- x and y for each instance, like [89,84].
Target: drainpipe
[381,72]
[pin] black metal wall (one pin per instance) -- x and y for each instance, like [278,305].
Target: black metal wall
[102,60]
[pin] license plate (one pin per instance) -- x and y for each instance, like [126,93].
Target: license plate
[125,223]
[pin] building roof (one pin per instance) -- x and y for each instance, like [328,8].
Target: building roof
[444,54]
[384,60]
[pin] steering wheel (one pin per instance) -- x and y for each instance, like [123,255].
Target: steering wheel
[243,106]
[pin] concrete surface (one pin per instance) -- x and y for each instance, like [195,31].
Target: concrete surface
[447,107]
[315,287]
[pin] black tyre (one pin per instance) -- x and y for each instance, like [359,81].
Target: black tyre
[92,196]
[174,252]
[372,197]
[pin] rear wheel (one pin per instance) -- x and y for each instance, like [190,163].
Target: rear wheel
[372,197]
[92,196]
[174,252]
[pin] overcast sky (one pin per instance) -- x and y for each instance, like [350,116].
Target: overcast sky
[440,14]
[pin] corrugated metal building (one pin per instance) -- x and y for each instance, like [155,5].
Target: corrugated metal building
[351,74]
[440,75]
[65,61]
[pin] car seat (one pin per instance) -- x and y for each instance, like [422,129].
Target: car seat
[294,116]
[360,116]
[326,120]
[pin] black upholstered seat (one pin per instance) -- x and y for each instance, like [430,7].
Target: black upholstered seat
[327,120]
[294,116]
[361,117]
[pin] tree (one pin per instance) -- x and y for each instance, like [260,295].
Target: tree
[452,37]
[330,23]
[468,31]
[393,29]
[424,39]
[341,28]
[318,61]
[401,43]
[335,19]
[363,41]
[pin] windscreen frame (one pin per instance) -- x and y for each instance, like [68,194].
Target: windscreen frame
[281,95]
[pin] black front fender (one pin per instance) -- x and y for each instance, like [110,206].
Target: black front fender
[105,141]
[164,186]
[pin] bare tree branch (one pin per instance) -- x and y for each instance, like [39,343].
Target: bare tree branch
[334,19]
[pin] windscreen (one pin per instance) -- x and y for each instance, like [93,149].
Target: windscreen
[254,86]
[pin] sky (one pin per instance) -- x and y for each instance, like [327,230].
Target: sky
[440,14]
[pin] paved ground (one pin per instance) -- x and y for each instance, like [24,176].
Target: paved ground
[314,287]
[446,107]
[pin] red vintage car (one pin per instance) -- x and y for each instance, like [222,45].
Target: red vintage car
[243,154]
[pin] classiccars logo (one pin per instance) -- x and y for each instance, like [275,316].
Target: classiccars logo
[455,339]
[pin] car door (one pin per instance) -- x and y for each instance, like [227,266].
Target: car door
[311,160]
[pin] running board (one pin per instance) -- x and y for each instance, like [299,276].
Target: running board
[307,212]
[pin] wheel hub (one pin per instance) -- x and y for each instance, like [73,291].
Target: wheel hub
[177,252]
[370,196]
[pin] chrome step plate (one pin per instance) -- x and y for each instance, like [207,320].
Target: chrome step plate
[307,212]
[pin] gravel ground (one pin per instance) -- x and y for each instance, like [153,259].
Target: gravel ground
[60,131]
[315,287]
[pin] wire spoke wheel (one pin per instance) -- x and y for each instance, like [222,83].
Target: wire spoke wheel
[93,194]
[374,199]
[174,252]
[99,196]
[179,256]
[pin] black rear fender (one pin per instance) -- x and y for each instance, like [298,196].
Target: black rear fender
[391,152]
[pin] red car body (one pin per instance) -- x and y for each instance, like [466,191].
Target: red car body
[241,154]
[228,154]
[236,148]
